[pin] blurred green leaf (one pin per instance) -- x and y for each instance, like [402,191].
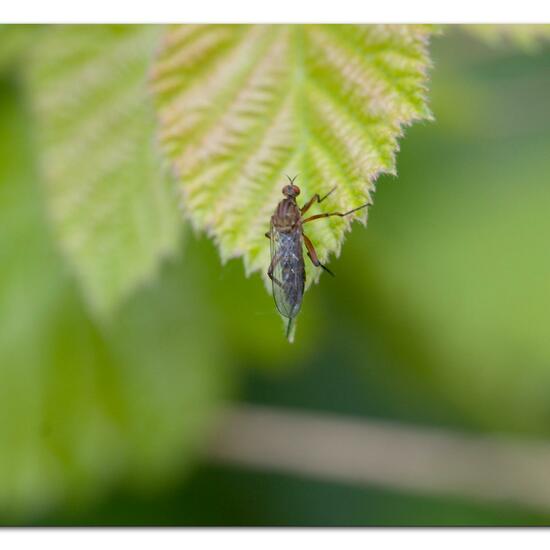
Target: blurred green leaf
[461,290]
[239,106]
[83,407]
[527,37]
[111,205]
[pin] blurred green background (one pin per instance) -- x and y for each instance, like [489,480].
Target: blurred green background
[438,316]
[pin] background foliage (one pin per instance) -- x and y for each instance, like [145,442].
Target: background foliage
[84,406]
[112,206]
[114,362]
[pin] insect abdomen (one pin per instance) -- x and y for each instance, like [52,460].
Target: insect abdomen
[288,271]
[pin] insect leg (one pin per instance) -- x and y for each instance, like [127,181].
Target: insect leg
[317,198]
[313,255]
[319,216]
[271,267]
[270,271]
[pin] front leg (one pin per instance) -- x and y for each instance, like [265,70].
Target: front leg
[329,214]
[317,198]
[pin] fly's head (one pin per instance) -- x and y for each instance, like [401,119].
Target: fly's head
[291,191]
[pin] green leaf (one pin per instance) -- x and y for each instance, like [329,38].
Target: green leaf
[239,106]
[111,204]
[85,409]
[527,37]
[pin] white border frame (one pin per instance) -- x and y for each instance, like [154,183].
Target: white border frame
[279,11]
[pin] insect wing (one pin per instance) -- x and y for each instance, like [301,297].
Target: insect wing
[287,263]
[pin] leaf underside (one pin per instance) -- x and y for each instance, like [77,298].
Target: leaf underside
[112,208]
[240,106]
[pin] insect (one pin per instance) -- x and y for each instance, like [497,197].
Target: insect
[287,270]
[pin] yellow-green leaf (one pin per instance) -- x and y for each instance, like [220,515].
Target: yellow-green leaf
[239,106]
[112,207]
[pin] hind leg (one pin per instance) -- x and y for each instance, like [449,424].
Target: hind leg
[272,265]
[313,255]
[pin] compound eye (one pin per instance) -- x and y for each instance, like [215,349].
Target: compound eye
[295,190]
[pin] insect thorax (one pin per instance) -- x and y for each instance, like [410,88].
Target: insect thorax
[287,216]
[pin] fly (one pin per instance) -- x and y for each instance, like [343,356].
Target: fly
[287,270]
